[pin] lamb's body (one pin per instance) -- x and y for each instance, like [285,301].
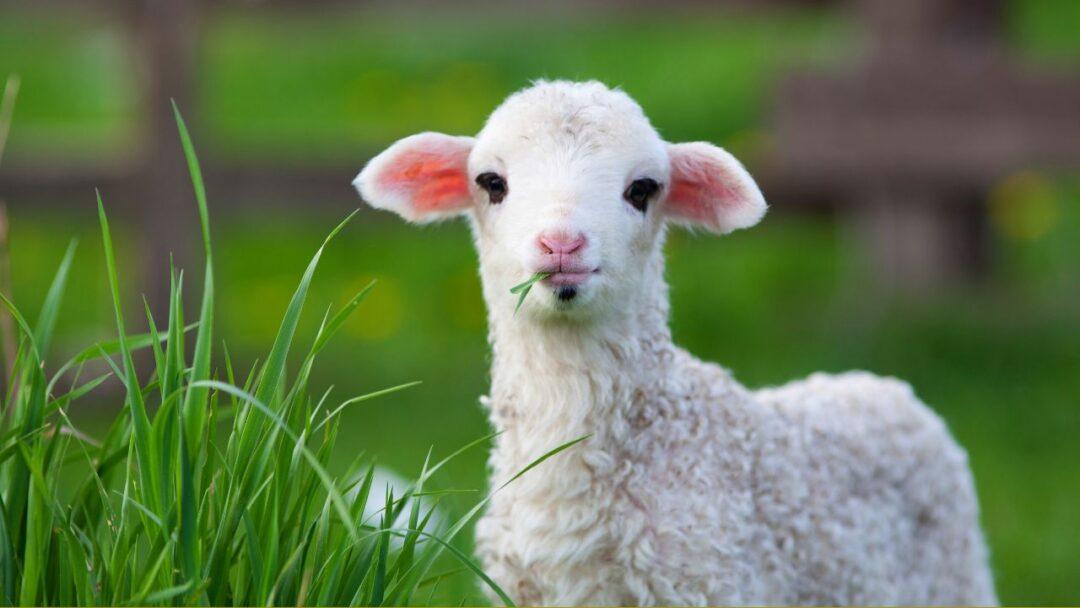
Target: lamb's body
[694,490]
[691,489]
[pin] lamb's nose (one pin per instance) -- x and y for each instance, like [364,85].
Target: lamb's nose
[561,243]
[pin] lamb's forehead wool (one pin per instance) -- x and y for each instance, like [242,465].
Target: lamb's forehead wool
[587,115]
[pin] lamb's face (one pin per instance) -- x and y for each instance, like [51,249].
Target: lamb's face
[568,187]
[568,179]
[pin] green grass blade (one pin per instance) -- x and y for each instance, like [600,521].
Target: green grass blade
[20,320]
[142,436]
[196,179]
[163,596]
[8,559]
[378,586]
[32,563]
[7,109]
[465,561]
[275,362]
[468,446]
[77,392]
[189,541]
[195,402]
[51,307]
[339,319]
[254,548]
[386,391]
[171,370]
[155,346]
[535,463]
[522,289]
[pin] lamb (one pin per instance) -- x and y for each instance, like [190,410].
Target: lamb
[691,489]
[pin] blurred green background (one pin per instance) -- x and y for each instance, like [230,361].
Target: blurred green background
[998,357]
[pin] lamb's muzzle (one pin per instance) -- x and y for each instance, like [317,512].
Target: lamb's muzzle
[691,489]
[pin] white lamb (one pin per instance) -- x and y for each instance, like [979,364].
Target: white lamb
[691,488]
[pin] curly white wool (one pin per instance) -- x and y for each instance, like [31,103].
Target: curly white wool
[691,489]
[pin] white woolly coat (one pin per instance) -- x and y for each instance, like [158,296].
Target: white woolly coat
[693,489]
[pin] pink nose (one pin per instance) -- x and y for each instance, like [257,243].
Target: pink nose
[560,243]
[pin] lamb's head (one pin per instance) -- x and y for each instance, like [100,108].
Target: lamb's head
[569,179]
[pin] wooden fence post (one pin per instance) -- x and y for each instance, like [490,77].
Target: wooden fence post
[167,34]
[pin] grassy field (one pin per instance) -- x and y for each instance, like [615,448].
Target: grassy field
[1000,360]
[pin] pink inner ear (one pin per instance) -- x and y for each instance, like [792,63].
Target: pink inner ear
[432,182]
[696,192]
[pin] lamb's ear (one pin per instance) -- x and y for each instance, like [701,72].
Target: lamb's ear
[710,188]
[422,178]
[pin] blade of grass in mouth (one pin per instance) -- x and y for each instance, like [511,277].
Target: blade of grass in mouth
[522,290]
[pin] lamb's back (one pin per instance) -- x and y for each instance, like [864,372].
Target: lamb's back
[870,499]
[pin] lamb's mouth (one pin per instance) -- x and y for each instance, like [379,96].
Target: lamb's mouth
[566,283]
[562,278]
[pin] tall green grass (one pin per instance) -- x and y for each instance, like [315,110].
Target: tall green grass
[210,486]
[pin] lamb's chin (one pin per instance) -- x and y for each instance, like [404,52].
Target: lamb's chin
[569,303]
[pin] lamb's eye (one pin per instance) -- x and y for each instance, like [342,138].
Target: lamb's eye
[494,185]
[640,191]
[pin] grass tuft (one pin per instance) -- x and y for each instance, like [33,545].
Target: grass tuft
[202,490]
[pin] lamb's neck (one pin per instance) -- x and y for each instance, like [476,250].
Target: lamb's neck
[555,381]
